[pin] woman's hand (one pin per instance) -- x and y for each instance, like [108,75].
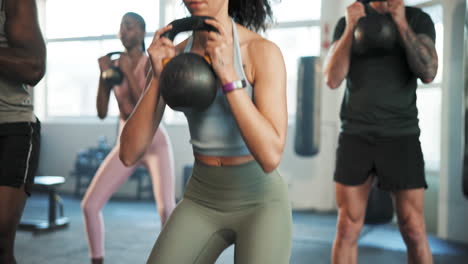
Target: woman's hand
[104,63]
[159,49]
[220,49]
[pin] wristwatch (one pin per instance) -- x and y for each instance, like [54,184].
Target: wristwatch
[231,86]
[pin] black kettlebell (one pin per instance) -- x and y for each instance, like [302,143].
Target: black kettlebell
[375,33]
[187,81]
[368,1]
[113,75]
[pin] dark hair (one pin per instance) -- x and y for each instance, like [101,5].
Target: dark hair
[252,14]
[142,23]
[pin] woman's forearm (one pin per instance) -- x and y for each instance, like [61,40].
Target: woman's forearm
[264,140]
[141,125]
[102,99]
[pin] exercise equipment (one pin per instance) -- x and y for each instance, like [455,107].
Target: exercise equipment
[88,161]
[368,1]
[53,222]
[465,176]
[379,208]
[113,75]
[465,156]
[374,33]
[307,132]
[187,81]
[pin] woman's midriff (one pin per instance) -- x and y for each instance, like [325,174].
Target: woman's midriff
[223,161]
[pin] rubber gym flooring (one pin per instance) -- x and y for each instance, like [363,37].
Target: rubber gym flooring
[132,227]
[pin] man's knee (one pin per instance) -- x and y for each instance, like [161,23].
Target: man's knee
[7,234]
[413,230]
[348,228]
[7,226]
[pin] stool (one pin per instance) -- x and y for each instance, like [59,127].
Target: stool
[47,184]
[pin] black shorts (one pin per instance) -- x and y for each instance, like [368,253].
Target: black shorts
[19,154]
[397,162]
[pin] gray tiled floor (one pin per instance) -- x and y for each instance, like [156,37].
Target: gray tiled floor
[132,227]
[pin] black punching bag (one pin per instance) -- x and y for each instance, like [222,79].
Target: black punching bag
[465,159]
[307,136]
[465,176]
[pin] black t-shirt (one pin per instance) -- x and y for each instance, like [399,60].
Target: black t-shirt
[380,96]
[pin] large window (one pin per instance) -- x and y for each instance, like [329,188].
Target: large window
[297,33]
[78,32]
[295,42]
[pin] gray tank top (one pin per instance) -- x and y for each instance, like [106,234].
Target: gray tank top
[214,131]
[15,98]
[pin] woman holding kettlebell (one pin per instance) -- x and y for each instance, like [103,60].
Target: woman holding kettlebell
[157,155]
[235,195]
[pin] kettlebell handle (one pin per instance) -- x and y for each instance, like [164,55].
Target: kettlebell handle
[368,1]
[166,60]
[110,54]
[188,24]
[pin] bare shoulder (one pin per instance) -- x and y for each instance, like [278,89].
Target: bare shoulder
[259,53]
[257,46]
[261,48]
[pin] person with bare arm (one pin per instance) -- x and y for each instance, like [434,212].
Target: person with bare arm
[380,132]
[22,65]
[158,158]
[235,194]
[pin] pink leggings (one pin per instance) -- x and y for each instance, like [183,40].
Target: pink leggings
[112,174]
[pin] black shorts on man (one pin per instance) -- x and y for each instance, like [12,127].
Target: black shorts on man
[19,153]
[396,162]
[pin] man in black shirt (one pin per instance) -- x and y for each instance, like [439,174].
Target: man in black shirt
[380,132]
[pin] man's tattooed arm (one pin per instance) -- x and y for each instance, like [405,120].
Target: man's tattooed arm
[421,55]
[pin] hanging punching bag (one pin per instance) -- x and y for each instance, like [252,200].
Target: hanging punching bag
[307,136]
[465,158]
[465,176]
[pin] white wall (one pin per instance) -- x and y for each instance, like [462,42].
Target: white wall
[453,207]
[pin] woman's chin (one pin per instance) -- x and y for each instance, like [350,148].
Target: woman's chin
[198,13]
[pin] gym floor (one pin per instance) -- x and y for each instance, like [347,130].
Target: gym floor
[132,227]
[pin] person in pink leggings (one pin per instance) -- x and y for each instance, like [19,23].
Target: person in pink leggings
[158,157]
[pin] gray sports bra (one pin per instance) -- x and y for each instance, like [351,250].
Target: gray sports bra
[214,131]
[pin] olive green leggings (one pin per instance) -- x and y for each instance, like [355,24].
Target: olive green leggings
[240,205]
